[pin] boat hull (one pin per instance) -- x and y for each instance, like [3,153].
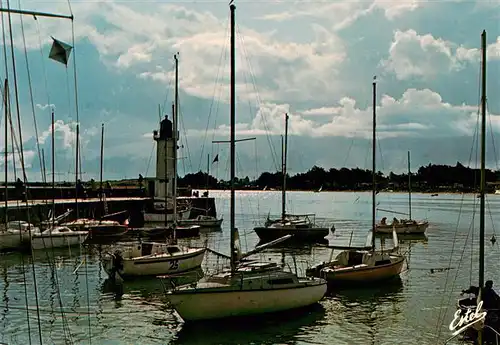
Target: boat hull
[156,265]
[367,274]
[202,223]
[201,305]
[404,228]
[56,241]
[9,240]
[302,234]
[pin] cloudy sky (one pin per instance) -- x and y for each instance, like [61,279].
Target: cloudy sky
[312,59]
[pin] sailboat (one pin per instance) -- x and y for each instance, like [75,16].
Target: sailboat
[56,236]
[301,227]
[204,220]
[403,226]
[251,287]
[155,258]
[99,228]
[365,264]
[15,233]
[483,322]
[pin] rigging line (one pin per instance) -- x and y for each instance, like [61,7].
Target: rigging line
[492,139]
[441,315]
[78,162]
[12,137]
[51,262]
[31,93]
[46,83]
[259,101]
[4,45]
[185,135]
[162,109]
[22,159]
[348,151]
[150,158]
[33,112]
[218,103]
[222,53]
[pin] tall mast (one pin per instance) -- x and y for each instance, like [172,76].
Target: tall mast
[176,114]
[483,173]
[6,143]
[76,167]
[283,193]
[53,148]
[208,169]
[409,186]
[232,8]
[374,165]
[102,162]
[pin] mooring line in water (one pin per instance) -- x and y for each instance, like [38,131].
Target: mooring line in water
[80,265]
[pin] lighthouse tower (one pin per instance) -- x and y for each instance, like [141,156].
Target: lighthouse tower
[165,147]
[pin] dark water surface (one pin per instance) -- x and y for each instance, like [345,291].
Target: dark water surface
[412,311]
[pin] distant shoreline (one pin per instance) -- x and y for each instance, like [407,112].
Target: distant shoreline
[201,190]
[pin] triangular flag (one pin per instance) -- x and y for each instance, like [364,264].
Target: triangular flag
[60,51]
[216,159]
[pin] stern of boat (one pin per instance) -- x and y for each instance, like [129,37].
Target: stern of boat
[112,263]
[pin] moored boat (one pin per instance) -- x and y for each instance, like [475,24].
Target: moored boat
[57,237]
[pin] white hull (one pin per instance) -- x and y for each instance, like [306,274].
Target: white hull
[203,305]
[9,240]
[156,264]
[45,241]
[403,228]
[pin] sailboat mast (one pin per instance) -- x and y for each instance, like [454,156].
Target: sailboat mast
[102,161]
[483,158]
[53,148]
[6,151]
[284,147]
[374,165]
[76,166]
[232,8]
[409,186]
[176,114]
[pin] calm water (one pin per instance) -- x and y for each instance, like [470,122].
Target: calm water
[403,313]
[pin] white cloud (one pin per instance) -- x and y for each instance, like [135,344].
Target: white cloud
[424,56]
[28,156]
[417,113]
[396,8]
[67,131]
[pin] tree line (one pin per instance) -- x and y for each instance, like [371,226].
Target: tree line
[433,177]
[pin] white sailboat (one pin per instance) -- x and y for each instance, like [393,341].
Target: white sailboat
[56,236]
[153,258]
[363,265]
[248,288]
[403,226]
[13,234]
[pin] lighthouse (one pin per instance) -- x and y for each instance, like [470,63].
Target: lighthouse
[165,147]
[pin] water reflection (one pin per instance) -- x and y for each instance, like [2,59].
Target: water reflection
[367,312]
[405,238]
[148,288]
[277,328]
